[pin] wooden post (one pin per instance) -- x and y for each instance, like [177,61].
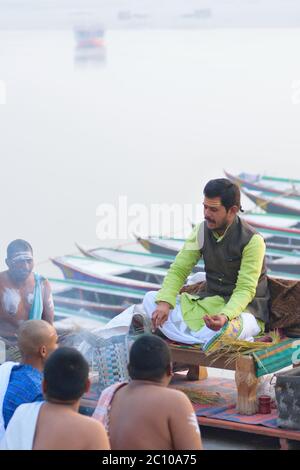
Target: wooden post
[246,382]
[196,373]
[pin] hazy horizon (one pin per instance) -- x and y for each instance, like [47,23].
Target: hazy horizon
[152,115]
[149,14]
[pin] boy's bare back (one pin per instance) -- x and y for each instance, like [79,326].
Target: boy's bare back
[61,428]
[149,416]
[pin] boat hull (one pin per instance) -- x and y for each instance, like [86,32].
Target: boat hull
[71,272]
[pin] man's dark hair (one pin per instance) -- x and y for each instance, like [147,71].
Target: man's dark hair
[18,245]
[228,192]
[149,358]
[66,372]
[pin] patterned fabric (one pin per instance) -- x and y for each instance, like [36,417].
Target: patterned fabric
[276,357]
[25,386]
[111,359]
[268,360]
[225,408]
[232,329]
[102,410]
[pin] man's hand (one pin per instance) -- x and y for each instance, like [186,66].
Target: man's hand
[160,315]
[215,322]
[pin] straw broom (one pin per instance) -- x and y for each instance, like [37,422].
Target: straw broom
[233,348]
[200,397]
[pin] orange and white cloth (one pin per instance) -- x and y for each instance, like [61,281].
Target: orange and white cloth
[102,410]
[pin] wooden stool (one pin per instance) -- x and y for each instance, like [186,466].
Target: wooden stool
[197,373]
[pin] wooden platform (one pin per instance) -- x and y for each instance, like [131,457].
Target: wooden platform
[196,357]
[229,395]
[283,435]
[245,377]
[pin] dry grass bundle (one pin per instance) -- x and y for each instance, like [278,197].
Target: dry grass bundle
[233,348]
[200,397]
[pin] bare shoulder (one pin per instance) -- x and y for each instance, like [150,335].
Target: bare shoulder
[183,423]
[94,433]
[177,400]
[90,423]
[176,396]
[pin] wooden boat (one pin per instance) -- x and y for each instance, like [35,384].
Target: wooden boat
[128,257]
[285,265]
[276,205]
[291,264]
[287,239]
[85,298]
[286,225]
[105,310]
[276,228]
[88,36]
[270,185]
[280,232]
[87,269]
[283,275]
[61,313]
[173,245]
[128,270]
[159,246]
[278,254]
[96,293]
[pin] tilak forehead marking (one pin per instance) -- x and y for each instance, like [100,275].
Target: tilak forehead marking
[210,203]
[22,255]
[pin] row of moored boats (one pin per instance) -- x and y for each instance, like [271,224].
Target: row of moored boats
[100,282]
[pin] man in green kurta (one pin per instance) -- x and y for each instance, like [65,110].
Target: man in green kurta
[235,297]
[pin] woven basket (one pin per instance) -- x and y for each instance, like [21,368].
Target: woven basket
[110,358]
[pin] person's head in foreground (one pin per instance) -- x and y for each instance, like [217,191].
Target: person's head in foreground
[222,202]
[66,376]
[146,413]
[150,359]
[37,339]
[55,424]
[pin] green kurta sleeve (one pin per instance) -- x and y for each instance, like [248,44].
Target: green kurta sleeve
[182,266]
[250,270]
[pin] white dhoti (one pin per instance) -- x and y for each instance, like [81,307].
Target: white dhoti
[19,434]
[176,329]
[5,371]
